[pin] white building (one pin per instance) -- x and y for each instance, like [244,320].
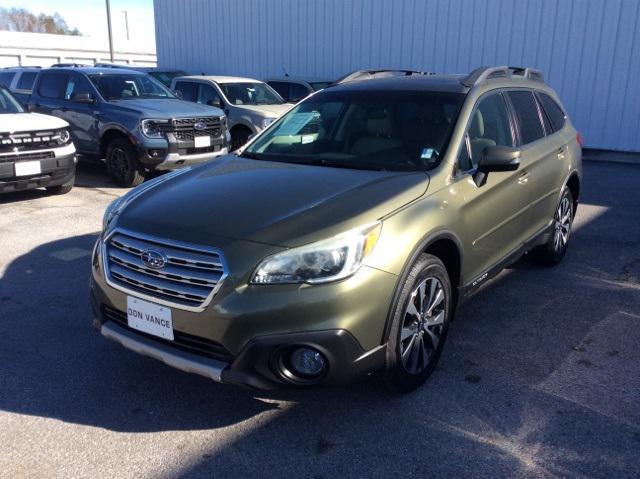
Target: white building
[589,50]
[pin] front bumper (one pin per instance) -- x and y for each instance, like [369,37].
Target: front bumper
[170,153]
[59,169]
[241,335]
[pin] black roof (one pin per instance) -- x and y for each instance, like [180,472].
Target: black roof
[97,70]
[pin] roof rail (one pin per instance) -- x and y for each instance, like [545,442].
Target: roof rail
[381,73]
[483,74]
[67,65]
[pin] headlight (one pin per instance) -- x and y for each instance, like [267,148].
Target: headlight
[267,121]
[321,262]
[150,128]
[63,137]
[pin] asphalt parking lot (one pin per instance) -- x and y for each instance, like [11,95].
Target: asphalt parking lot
[540,376]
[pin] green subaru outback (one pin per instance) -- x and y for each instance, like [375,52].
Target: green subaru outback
[339,241]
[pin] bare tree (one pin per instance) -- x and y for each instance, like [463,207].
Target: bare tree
[22,20]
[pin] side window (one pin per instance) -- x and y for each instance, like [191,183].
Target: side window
[297,92]
[527,115]
[189,90]
[26,81]
[281,87]
[489,127]
[209,96]
[556,116]
[77,84]
[6,78]
[53,85]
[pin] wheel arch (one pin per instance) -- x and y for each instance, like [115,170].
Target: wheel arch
[573,183]
[111,134]
[446,246]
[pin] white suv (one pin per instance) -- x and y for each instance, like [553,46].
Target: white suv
[250,105]
[35,150]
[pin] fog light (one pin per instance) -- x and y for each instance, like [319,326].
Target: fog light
[307,362]
[156,153]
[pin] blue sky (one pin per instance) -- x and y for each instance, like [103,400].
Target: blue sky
[89,16]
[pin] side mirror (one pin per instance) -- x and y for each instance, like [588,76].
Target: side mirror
[217,103]
[82,98]
[496,158]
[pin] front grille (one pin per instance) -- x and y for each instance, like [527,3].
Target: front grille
[197,151]
[189,135]
[41,155]
[184,128]
[188,278]
[183,341]
[28,141]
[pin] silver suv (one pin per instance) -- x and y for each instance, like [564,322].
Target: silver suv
[250,105]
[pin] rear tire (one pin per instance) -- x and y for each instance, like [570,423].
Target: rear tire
[419,324]
[59,189]
[552,252]
[123,164]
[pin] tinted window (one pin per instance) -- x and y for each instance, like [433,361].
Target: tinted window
[189,90]
[489,127]
[251,94]
[209,96]
[297,92]
[124,86]
[26,81]
[77,84]
[553,111]
[281,87]
[6,78]
[166,77]
[8,104]
[379,130]
[52,85]
[527,115]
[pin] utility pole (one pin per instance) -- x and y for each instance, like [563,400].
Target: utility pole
[126,22]
[110,33]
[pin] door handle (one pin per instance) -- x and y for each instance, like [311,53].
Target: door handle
[524,178]
[560,153]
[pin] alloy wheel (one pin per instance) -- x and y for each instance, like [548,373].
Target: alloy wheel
[562,224]
[423,325]
[119,163]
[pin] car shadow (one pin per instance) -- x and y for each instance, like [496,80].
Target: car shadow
[488,410]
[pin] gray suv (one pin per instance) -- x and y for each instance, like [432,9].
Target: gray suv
[130,119]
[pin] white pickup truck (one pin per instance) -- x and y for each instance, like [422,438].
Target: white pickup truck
[35,150]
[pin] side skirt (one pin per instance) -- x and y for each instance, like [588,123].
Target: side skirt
[538,239]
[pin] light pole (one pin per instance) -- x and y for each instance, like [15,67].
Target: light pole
[110,33]
[126,22]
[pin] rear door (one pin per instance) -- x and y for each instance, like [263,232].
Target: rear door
[542,159]
[49,94]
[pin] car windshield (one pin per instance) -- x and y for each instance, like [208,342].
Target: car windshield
[319,85]
[8,104]
[122,86]
[166,77]
[250,94]
[380,130]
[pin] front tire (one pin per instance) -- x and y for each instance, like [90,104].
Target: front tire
[123,164]
[420,324]
[552,252]
[59,189]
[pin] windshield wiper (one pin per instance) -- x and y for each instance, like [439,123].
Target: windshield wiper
[249,155]
[345,164]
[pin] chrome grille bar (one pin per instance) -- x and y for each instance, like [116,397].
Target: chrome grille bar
[188,280]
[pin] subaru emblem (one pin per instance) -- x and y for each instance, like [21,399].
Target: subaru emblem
[153,259]
[200,126]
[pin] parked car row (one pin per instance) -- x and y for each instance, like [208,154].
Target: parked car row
[143,119]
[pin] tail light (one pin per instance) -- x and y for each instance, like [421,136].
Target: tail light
[580,140]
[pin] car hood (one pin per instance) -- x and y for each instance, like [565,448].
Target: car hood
[268,111]
[275,203]
[167,108]
[17,122]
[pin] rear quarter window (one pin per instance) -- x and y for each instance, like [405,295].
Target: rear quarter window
[6,78]
[53,85]
[26,81]
[527,116]
[281,87]
[555,114]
